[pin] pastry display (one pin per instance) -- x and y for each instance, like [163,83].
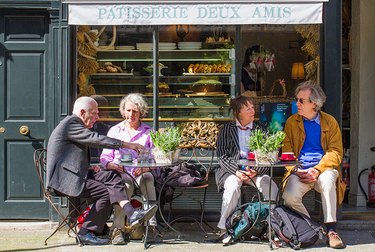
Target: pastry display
[109,67]
[209,68]
[163,87]
[206,85]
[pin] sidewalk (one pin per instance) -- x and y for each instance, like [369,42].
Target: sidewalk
[29,236]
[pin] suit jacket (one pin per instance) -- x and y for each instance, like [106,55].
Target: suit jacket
[228,153]
[68,156]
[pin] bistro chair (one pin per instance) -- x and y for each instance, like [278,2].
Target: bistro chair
[69,219]
[199,154]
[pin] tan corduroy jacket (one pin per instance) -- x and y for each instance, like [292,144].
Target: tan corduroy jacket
[331,141]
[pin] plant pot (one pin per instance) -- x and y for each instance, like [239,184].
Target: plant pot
[268,158]
[165,158]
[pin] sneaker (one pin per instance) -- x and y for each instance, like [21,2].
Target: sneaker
[334,240]
[117,237]
[227,239]
[140,216]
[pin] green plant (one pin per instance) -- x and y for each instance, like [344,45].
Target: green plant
[167,139]
[265,140]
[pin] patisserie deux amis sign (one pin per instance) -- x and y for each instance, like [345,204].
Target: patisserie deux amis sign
[303,12]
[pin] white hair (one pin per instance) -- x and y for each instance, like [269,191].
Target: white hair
[83,102]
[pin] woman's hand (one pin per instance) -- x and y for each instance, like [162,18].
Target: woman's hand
[115,167]
[138,171]
[245,176]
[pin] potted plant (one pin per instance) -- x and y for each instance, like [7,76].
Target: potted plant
[265,145]
[166,144]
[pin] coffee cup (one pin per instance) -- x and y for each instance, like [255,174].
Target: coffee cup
[126,157]
[251,156]
[288,156]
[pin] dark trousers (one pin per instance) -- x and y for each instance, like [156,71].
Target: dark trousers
[103,188]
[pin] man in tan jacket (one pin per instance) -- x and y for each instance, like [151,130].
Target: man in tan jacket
[315,138]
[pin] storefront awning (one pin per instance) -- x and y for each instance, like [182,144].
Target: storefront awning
[208,12]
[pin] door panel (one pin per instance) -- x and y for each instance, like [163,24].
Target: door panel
[25,100]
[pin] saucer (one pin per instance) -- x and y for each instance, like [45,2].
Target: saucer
[287,159]
[126,160]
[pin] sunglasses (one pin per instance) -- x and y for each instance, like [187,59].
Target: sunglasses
[301,100]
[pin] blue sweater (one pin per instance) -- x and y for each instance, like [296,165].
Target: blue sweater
[312,151]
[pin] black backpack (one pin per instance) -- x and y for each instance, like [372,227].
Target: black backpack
[295,229]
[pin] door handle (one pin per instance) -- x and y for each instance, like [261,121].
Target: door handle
[24,130]
[2,129]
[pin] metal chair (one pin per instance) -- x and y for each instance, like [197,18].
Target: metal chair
[40,160]
[201,154]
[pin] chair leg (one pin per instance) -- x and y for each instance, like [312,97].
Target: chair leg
[54,232]
[203,218]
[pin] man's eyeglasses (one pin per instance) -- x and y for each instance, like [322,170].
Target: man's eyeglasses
[301,100]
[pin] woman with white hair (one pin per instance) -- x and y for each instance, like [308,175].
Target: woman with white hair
[133,108]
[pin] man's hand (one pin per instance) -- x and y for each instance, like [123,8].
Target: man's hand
[308,176]
[134,146]
[95,168]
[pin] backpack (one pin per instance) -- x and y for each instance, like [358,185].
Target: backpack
[295,229]
[248,221]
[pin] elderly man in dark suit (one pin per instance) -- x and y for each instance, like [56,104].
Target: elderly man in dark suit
[68,171]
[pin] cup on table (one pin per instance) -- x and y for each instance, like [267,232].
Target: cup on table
[251,156]
[143,156]
[287,156]
[126,157]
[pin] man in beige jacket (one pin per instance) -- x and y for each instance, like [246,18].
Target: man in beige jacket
[315,138]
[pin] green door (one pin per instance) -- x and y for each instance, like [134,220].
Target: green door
[25,107]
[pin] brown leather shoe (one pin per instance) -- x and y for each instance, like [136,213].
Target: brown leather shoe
[334,240]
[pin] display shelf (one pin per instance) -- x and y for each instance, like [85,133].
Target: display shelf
[181,103]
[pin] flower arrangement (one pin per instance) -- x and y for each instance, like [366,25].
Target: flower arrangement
[266,144]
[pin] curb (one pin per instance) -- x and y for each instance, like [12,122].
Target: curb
[27,225]
[363,225]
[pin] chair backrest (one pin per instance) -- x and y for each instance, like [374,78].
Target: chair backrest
[200,153]
[40,160]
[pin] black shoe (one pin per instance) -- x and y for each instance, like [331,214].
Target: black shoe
[91,239]
[140,216]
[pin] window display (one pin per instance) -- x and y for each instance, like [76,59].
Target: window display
[197,66]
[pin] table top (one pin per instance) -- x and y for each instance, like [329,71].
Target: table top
[247,162]
[136,164]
